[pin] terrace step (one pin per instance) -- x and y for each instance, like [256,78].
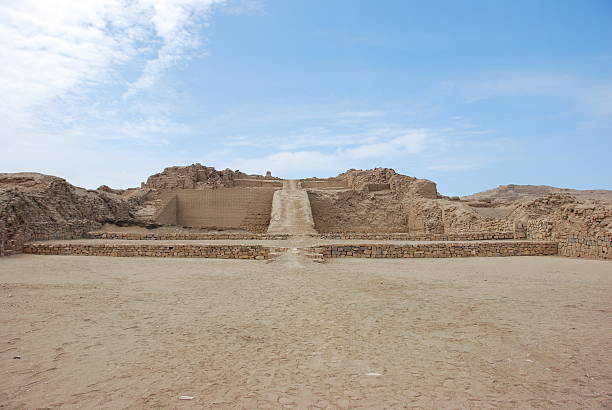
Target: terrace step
[310,250]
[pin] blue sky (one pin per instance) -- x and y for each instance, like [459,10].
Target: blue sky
[469,94]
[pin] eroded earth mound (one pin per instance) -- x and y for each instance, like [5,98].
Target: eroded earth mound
[34,206]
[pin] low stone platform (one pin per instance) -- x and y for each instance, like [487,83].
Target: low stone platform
[260,250]
[439,249]
[464,236]
[189,236]
[160,250]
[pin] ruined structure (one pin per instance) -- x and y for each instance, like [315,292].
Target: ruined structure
[377,204]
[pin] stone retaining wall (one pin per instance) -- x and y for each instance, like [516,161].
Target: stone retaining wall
[589,247]
[45,231]
[538,229]
[439,250]
[257,252]
[188,236]
[468,236]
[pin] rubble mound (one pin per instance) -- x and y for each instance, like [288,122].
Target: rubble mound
[562,213]
[363,180]
[405,204]
[196,176]
[37,206]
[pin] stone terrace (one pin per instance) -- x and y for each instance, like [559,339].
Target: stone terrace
[259,250]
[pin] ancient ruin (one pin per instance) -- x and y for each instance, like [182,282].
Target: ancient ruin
[360,213]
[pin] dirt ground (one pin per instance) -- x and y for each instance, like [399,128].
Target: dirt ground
[93,332]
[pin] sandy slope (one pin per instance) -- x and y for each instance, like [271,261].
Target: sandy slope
[526,332]
[291,212]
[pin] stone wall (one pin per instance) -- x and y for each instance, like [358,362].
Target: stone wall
[539,229]
[242,208]
[256,252]
[172,236]
[44,231]
[439,250]
[589,247]
[466,236]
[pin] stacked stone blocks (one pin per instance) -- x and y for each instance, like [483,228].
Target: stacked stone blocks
[439,250]
[254,252]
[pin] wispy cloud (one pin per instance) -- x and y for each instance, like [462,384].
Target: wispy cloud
[581,93]
[412,150]
[78,74]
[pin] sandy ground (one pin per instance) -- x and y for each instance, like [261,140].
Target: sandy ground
[93,332]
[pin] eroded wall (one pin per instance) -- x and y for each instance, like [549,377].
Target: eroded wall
[257,183]
[324,183]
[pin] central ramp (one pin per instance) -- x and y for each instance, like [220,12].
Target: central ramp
[291,213]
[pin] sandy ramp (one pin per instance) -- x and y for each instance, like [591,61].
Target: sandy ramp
[291,213]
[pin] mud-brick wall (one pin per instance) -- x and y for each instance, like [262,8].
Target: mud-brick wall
[325,183]
[259,183]
[243,208]
[167,213]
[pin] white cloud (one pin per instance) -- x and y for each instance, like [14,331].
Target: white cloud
[57,50]
[64,68]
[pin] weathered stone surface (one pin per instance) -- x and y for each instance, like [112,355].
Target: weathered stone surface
[254,252]
[439,250]
[197,176]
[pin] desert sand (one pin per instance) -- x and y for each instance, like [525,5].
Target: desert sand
[516,332]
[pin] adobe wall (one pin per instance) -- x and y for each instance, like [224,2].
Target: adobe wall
[324,183]
[167,213]
[373,187]
[439,250]
[257,183]
[242,208]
